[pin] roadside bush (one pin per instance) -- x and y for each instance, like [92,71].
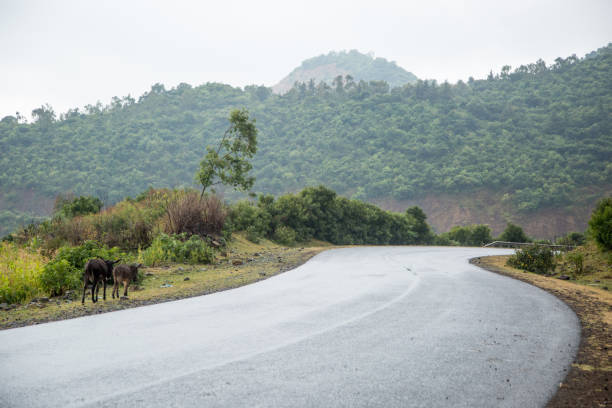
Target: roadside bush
[576,260]
[153,255]
[514,233]
[19,273]
[126,225]
[215,213]
[600,224]
[65,271]
[252,234]
[534,258]
[78,256]
[245,216]
[471,235]
[284,235]
[187,213]
[572,239]
[72,231]
[443,240]
[58,276]
[176,248]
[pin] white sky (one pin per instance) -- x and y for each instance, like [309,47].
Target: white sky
[72,53]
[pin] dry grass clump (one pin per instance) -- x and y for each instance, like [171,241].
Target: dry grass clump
[187,213]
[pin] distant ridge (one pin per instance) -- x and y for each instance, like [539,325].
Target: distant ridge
[360,66]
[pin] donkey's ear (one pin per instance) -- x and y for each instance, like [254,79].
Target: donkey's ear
[117,261]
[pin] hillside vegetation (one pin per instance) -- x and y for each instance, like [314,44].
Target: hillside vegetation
[326,68]
[534,135]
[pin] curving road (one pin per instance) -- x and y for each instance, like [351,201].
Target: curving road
[375,327]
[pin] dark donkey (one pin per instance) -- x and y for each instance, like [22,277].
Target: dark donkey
[96,271]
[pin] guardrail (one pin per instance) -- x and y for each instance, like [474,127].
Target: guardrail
[506,244]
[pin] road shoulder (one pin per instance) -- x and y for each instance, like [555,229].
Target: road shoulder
[587,383]
[246,263]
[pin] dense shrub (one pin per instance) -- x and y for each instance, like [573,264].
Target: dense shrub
[72,231]
[600,224]
[534,258]
[419,225]
[72,207]
[576,260]
[317,212]
[572,239]
[252,234]
[59,276]
[20,269]
[246,216]
[444,240]
[177,248]
[215,214]
[78,256]
[126,225]
[471,235]
[284,235]
[514,233]
[66,270]
[187,213]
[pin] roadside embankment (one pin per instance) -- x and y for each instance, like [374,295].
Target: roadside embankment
[244,263]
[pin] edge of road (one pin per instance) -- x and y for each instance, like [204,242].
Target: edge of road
[587,382]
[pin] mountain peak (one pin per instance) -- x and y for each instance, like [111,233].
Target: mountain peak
[326,67]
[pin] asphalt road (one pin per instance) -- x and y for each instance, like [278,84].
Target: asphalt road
[357,327]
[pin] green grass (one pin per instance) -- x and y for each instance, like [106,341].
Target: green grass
[20,269]
[258,261]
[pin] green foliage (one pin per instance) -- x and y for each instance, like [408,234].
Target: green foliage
[284,235]
[20,269]
[444,240]
[572,239]
[417,218]
[534,258]
[65,271]
[126,225]
[58,276]
[177,248]
[252,234]
[600,224]
[245,216]
[77,256]
[471,235]
[513,233]
[576,260]
[82,205]
[229,162]
[367,140]
[318,212]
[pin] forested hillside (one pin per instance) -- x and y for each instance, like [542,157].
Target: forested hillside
[535,136]
[326,68]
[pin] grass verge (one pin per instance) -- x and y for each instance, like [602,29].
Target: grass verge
[587,383]
[244,263]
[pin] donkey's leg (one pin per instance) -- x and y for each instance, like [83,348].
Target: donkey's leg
[93,291]
[84,288]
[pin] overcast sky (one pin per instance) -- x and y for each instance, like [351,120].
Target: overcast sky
[72,53]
